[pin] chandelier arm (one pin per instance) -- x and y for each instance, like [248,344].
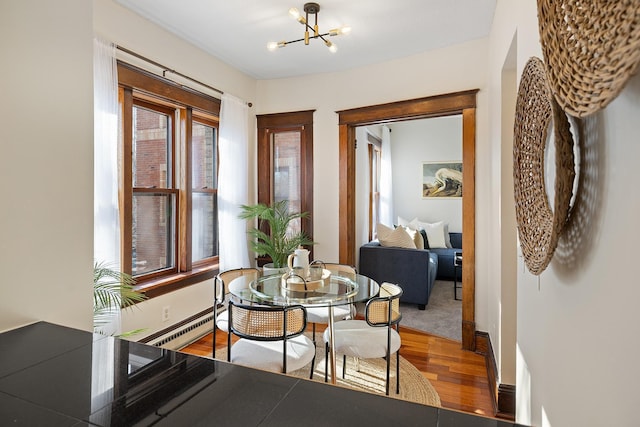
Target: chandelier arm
[313,9]
[295,41]
[320,36]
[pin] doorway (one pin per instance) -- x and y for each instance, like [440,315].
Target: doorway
[463,103]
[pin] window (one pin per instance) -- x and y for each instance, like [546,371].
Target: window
[204,182]
[374,185]
[154,202]
[285,164]
[169,206]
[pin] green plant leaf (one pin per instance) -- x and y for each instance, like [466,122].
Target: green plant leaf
[112,291]
[277,243]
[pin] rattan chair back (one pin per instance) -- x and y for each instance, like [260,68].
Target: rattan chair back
[221,292]
[384,310]
[223,279]
[343,268]
[266,323]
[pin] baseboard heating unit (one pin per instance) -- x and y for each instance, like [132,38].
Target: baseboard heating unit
[183,333]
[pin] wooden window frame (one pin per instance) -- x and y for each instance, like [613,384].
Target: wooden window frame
[138,87]
[283,122]
[375,154]
[207,121]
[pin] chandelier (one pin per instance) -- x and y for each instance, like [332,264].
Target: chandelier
[310,9]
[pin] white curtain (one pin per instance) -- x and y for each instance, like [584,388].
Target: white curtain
[233,182]
[106,223]
[106,226]
[386,188]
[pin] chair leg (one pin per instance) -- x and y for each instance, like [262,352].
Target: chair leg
[314,332]
[213,350]
[313,365]
[344,364]
[387,385]
[326,361]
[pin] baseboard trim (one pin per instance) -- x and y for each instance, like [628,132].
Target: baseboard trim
[503,396]
[506,402]
[175,326]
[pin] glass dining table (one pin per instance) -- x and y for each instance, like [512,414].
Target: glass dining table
[340,288]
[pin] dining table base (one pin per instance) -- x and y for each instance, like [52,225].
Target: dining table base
[332,347]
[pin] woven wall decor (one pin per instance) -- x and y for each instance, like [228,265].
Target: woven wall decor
[590,48]
[537,114]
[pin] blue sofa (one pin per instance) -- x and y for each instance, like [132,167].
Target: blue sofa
[445,258]
[415,270]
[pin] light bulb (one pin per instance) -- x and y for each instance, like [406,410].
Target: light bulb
[332,47]
[295,14]
[338,31]
[275,45]
[345,30]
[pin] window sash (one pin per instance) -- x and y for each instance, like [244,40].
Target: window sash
[154,223]
[204,240]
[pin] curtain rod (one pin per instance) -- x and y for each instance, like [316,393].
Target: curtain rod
[165,69]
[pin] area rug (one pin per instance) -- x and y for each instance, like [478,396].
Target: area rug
[442,316]
[371,377]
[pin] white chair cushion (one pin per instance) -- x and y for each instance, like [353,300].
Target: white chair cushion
[267,355]
[356,338]
[321,314]
[222,321]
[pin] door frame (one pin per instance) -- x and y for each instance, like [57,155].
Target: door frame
[463,103]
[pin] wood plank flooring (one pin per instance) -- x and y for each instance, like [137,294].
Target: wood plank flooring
[459,376]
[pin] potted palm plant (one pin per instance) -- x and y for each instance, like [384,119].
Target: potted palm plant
[277,242]
[112,291]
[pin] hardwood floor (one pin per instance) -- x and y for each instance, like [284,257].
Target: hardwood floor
[459,376]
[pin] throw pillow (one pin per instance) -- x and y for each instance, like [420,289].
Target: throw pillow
[447,238]
[435,234]
[406,223]
[416,237]
[424,238]
[397,237]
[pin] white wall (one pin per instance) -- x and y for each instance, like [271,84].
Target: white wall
[457,68]
[504,309]
[46,173]
[182,304]
[576,323]
[413,142]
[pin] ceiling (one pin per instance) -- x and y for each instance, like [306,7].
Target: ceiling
[237,32]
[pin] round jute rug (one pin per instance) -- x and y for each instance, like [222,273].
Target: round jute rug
[370,377]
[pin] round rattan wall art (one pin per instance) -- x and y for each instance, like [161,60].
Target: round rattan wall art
[590,48]
[538,114]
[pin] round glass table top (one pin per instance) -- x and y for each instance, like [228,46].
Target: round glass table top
[342,288]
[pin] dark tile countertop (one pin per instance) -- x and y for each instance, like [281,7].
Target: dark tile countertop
[52,375]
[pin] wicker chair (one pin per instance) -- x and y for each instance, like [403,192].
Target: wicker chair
[340,312]
[271,338]
[373,337]
[221,297]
